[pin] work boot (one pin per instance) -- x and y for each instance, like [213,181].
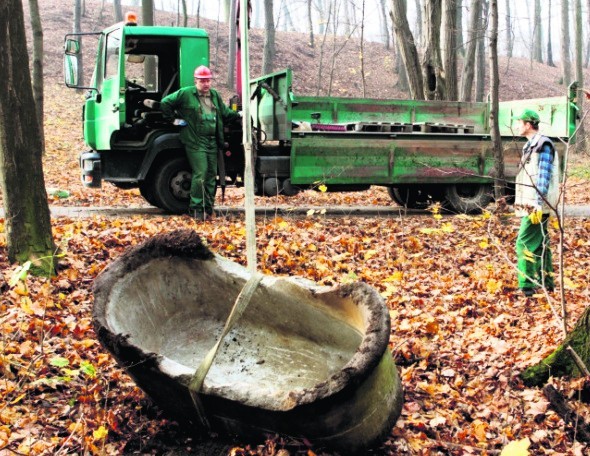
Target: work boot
[528,292]
[198,214]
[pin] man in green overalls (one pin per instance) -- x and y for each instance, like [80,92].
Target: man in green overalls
[204,112]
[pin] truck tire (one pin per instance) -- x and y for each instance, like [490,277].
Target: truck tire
[125,185]
[172,184]
[147,190]
[272,186]
[409,196]
[468,198]
[289,189]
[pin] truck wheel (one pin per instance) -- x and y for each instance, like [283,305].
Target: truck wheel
[172,184]
[125,185]
[257,186]
[409,196]
[468,198]
[289,189]
[146,189]
[272,186]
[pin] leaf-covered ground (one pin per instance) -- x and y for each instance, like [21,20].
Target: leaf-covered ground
[461,332]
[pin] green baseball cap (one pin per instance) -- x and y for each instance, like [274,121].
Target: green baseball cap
[528,115]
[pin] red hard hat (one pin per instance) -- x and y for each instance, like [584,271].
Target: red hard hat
[202,72]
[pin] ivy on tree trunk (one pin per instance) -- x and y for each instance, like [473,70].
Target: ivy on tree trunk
[560,362]
[28,226]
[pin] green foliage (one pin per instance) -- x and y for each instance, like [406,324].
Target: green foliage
[581,171]
[86,370]
[20,273]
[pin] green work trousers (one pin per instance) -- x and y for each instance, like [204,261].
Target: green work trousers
[535,267]
[203,183]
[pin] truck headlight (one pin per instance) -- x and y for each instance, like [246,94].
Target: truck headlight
[87,165]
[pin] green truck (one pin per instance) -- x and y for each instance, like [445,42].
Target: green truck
[421,151]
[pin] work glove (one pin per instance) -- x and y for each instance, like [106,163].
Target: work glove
[152,104]
[536,216]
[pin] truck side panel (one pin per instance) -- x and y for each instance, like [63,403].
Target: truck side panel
[410,159]
[558,116]
[354,110]
[352,161]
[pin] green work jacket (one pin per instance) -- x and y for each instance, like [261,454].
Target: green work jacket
[185,103]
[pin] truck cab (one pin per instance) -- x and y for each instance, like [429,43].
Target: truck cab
[131,145]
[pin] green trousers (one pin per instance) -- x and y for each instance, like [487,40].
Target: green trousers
[534,255]
[203,182]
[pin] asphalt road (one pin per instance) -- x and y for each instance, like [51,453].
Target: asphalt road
[271,211]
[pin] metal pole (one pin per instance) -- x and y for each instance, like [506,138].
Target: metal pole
[247,141]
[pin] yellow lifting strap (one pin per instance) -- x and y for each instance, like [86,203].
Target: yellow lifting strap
[198,378]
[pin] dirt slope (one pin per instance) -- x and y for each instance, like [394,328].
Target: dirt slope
[520,78]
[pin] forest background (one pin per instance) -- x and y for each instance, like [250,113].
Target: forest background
[460,335]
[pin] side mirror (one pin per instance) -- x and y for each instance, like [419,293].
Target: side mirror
[71,70]
[72,47]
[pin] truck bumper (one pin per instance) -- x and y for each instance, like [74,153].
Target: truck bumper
[90,169]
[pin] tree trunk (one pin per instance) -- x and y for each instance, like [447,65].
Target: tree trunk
[28,226]
[402,76]
[227,10]
[499,178]
[147,14]
[321,56]
[335,53]
[398,67]
[78,29]
[450,47]
[37,75]
[184,14]
[509,31]
[579,49]
[118,10]
[287,22]
[268,54]
[434,86]
[537,34]
[560,363]
[469,62]
[569,415]
[362,49]
[384,24]
[232,44]
[409,53]
[480,68]
[549,48]
[419,21]
[565,44]
[310,24]
[588,48]
[459,25]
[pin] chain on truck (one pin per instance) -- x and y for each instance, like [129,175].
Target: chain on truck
[421,151]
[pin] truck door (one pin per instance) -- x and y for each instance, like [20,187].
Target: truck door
[105,111]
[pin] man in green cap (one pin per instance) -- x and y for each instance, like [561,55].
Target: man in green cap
[537,194]
[204,113]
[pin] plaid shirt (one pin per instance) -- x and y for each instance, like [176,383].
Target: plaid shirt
[545,170]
